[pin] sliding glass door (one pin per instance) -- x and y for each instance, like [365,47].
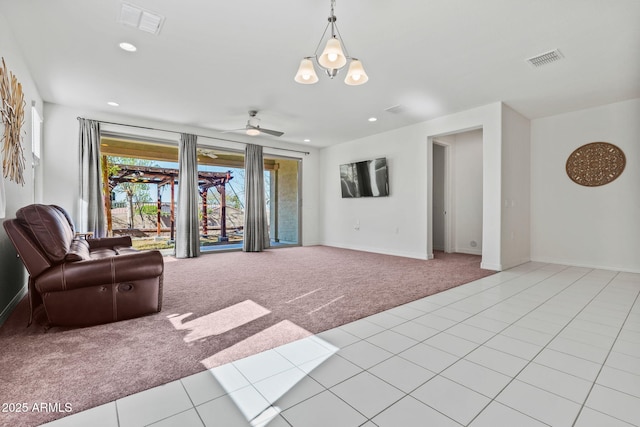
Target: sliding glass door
[140,186]
[283,201]
[221,183]
[141,180]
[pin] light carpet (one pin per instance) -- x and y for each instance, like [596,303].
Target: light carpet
[217,308]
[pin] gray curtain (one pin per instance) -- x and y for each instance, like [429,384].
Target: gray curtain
[91,215]
[256,230]
[188,226]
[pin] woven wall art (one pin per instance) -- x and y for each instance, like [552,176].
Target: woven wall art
[595,164]
[12,111]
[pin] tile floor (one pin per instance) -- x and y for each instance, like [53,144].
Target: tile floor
[536,345]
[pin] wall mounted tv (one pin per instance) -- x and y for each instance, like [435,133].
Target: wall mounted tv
[368,178]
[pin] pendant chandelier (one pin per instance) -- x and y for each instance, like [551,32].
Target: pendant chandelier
[333,58]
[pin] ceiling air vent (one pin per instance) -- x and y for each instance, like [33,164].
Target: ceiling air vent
[142,19]
[396,109]
[545,58]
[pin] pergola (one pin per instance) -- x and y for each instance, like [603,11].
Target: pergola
[166,176]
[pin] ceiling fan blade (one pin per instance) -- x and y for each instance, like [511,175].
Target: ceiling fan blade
[253,125]
[270,131]
[232,130]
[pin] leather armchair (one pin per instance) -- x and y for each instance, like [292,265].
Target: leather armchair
[82,282]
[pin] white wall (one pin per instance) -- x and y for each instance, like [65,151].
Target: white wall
[516,188]
[467,190]
[586,226]
[386,224]
[61,163]
[12,274]
[401,223]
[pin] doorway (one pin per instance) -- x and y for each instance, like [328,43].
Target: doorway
[440,197]
[456,192]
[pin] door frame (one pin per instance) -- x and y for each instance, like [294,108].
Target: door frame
[449,205]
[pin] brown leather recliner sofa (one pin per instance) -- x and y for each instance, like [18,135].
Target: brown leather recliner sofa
[82,282]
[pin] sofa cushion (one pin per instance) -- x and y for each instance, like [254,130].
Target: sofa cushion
[49,227]
[66,215]
[102,253]
[78,251]
[109,242]
[123,250]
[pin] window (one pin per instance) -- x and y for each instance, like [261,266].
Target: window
[36,135]
[142,183]
[36,154]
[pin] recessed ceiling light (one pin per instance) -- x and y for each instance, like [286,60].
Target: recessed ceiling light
[307,140]
[113,104]
[372,119]
[128,47]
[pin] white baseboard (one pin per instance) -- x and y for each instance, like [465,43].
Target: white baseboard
[405,254]
[489,266]
[12,304]
[573,263]
[511,264]
[468,251]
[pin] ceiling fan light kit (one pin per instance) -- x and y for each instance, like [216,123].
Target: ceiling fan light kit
[333,58]
[253,126]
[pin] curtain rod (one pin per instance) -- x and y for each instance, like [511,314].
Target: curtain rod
[203,136]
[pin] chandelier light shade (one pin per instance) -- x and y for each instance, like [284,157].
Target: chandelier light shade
[306,73]
[333,58]
[356,74]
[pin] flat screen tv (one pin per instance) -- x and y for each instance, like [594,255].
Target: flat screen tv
[368,178]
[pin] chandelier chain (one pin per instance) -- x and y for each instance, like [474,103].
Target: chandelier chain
[334,29]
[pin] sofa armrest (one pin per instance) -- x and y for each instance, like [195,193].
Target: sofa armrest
[109,242]
[32,256]
[103,271]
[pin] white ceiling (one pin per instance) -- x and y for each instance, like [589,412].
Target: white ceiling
[215,60]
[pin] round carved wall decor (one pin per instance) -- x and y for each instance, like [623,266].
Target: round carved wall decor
[595,164]
[12,114]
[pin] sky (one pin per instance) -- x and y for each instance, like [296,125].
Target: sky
[235,186]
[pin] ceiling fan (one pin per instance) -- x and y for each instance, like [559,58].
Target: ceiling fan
[253,126]
[207,152]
